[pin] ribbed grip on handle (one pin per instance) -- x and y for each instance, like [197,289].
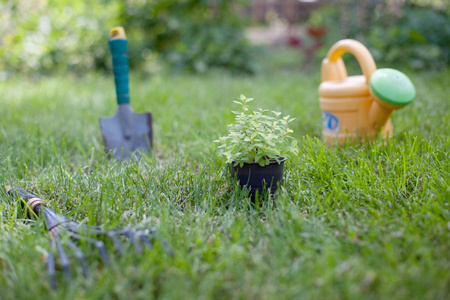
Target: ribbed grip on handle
[119,51]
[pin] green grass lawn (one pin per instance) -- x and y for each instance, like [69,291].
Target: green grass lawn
[361,222]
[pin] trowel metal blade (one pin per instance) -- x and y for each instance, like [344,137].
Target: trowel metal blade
[118,144]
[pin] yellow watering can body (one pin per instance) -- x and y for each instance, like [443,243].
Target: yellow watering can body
[350,108]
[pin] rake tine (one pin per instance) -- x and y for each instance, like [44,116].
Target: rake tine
[151,230]
[97,230]
[97,243]
[102,250]
[63,257]
[116,241]
[80,257]
[51,266]
[144,238]
[131,235]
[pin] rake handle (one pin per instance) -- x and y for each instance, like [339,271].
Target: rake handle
[26,199]
[118,46]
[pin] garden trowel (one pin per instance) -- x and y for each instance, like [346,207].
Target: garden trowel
[126,132]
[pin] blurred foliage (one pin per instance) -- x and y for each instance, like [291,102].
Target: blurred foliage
[414,33]
[43,36]
[193,35]
[420,38]
[200,35]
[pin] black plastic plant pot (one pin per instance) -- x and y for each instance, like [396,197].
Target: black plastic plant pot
[258,179]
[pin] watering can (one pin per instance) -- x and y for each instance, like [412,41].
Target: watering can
[359,107]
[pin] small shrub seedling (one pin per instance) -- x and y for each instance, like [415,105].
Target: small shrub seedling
[257,137]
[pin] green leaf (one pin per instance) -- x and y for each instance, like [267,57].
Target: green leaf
[256,135]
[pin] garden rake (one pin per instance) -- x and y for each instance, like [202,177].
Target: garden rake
[64,232]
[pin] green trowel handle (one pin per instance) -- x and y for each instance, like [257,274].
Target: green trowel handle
[119,51]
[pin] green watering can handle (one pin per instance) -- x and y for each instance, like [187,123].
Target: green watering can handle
[119,51]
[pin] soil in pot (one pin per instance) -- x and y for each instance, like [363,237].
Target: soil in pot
[258,178]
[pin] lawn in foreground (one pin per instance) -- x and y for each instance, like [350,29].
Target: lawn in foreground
[370,221]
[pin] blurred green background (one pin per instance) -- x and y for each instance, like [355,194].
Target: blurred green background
[356,222]
[47,36]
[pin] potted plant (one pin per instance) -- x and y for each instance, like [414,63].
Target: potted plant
[257,146]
